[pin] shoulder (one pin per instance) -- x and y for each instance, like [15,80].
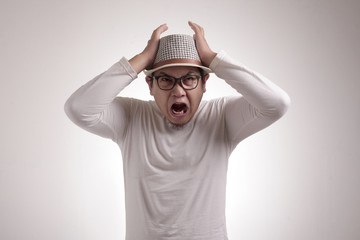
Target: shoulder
[134,102]
[217,104]
[137,108]
[211,110]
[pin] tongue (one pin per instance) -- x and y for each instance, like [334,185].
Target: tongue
[178,107]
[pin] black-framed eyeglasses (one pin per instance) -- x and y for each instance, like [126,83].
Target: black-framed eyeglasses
[188,82]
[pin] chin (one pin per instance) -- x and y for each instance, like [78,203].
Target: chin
[179,121]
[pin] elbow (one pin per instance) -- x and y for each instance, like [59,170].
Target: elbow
[80,113]
[71,109]
[74,110]
[279,107]
[282,106]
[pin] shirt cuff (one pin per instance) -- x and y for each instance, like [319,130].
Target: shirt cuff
[126,65]
[218,58]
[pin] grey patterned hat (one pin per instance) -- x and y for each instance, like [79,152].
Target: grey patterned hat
[176,50]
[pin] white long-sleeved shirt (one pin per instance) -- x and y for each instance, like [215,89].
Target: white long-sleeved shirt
[175,177]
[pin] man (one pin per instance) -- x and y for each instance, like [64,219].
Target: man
[175,149]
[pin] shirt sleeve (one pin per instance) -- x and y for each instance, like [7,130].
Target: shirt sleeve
[261,102]
[95,106]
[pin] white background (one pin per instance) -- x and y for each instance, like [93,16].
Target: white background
[298,179]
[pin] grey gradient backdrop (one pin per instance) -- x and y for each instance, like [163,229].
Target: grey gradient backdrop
[298,179]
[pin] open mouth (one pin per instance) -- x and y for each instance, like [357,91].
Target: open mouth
[179,109]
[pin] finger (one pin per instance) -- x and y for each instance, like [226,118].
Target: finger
[162,28]
[196,28]
[159,30]
[193,26]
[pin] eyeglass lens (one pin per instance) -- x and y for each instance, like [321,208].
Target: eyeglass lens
[187,81]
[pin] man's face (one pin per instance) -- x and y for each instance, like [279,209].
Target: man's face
[178,105]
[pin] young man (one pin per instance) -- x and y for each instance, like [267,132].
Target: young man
[175,150]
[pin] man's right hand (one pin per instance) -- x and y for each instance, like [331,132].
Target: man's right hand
[145,59]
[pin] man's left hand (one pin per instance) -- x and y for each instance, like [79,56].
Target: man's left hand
[205,53]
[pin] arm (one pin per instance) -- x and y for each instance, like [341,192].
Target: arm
[262,103]
[94,106]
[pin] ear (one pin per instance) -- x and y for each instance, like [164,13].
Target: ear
[206,77]
[150,82]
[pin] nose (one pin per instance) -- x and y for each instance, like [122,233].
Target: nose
[178,91]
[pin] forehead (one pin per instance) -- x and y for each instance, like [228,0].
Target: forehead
[177,71]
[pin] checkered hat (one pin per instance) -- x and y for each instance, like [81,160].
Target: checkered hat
[176,50]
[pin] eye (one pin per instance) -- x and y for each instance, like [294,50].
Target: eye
[189,80]
[165,79]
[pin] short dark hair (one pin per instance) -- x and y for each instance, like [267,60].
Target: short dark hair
[202,74]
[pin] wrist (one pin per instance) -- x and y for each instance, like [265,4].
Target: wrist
[147,58]
[140,62]
[210,57]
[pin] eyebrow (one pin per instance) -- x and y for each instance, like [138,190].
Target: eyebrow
[164,73]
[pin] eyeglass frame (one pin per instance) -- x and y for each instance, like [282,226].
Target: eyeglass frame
[202,75]
[198,77]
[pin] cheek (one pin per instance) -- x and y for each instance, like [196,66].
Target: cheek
[161,100]
[195,99]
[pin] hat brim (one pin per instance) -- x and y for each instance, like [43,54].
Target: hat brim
[149,72]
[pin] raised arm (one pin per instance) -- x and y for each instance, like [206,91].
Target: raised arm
[95,106]
[261,103]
